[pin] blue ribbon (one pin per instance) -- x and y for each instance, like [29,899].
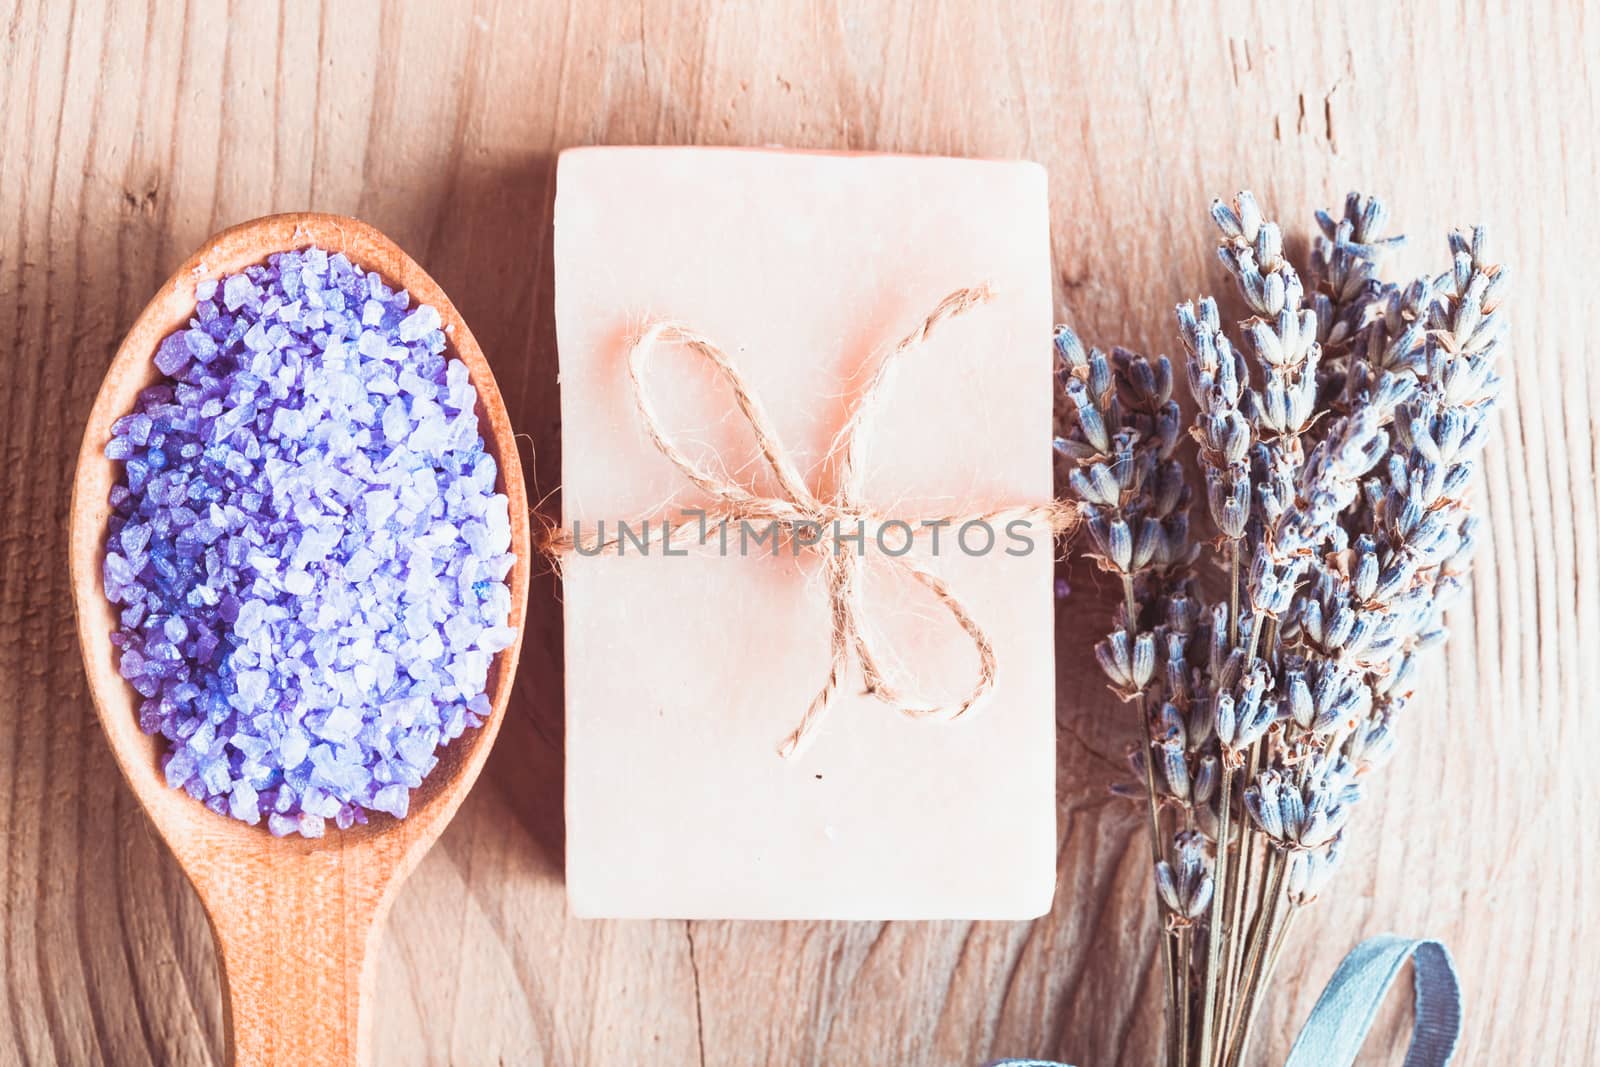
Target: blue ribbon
[1345,1011]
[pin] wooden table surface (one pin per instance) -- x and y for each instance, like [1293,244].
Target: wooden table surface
[131,131]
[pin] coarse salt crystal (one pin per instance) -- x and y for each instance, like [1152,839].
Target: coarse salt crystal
[306,547]
[419,323]
[237,291]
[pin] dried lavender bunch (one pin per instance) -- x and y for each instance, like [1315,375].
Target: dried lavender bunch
[1117,440]
[1336,439]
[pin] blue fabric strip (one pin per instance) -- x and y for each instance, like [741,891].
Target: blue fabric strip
[1345,1011]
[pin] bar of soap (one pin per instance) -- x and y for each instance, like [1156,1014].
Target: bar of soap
[684,673]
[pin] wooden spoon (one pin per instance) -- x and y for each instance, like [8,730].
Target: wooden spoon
[295,920]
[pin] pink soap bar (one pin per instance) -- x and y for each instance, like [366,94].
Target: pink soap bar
[684,673]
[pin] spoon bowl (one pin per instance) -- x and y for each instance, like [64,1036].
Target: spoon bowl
[295,920]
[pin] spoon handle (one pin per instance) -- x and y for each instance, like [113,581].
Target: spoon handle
[296,943]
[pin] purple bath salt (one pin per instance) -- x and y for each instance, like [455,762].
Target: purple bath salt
[306,547]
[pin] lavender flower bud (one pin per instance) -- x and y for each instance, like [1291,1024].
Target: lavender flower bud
[1111,539]
[1396,681]
[1222,432]
[1371,744]
[1228,221]
[1322,826]
[1242,721]
[1219,649]
[1144,660]
[1268,242]
[1304,809]
[1151,543]
[1368,629]
[1338,629]
[1311,623]
[1366,570]
[1128,668]
[1183,614]
[1116,659]
[1120,546]
[1205,781]
[1261,571]
[1393,579]
[1261,801]
[1087,483]
[1174,764]
[1171,489]
[1176,674]
[1148,380]
[1170,722]
[1455,481]
[1226,717]
[1339,696]
[1254,687]
[1167,887]
[1268,349]
[1272,582]
[1200,723]
[1069,348]
[1302,709]
[1309,872]
[1100,486]
[1288,400]
[1090,421]
[1228,497]
[1232,667]
[1292,815]
[1466,545]
[1100,378]
[1184,882]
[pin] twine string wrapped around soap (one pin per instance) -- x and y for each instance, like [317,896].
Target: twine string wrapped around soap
[795,508]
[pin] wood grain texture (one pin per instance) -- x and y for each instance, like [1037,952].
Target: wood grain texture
[133,131]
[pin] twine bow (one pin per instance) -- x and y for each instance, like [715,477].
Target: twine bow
[796,509]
